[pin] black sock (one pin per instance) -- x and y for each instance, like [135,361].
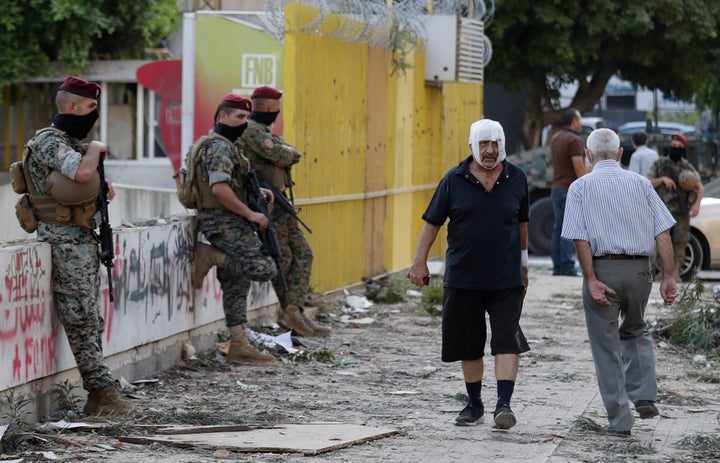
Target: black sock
[505,389]
[473,390]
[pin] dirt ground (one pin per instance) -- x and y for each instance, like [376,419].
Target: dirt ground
[386,373]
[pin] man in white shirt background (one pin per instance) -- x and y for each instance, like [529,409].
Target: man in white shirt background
[643,157]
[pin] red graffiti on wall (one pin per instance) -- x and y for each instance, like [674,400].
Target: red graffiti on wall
[38,357]
[24,318]
[23,276]
[26,321]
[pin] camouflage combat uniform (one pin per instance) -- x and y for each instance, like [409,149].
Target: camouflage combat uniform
[75,262]
[231,233]
[678,203]
[273,157]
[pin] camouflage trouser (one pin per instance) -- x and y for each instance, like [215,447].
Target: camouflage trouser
[246,262]
[296,261]
[76,284]
[680,235]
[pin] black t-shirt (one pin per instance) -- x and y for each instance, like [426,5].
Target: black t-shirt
[483,233]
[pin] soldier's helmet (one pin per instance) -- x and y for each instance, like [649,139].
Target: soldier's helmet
[688,180]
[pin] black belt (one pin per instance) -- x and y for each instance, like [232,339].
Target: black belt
[619,257]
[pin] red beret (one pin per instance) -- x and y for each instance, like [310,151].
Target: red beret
[266,92]
[234,100]
[679,137]
[81,87]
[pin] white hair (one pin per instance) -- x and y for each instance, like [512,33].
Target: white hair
[603,144]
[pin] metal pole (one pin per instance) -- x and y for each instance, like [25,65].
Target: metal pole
[188,82]
[139,121]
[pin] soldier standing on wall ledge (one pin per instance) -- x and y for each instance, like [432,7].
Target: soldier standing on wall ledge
[229,224]
[273,158]
[60,167]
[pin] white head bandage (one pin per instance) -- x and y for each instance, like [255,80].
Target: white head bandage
[487,130]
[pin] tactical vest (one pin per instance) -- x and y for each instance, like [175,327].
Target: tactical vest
[677,201]
[278,176]
[67,201]
[201,180]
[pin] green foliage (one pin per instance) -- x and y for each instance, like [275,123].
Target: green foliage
[320,355]
[703,447]
[587,424]
[35,32]
[65,397]
[696,325]
[403,43]
[669,45]
[14,408]
[432,297]
[390,293]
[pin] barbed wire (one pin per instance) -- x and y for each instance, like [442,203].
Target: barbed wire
[373,21]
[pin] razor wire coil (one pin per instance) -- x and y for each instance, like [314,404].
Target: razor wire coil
[374,22]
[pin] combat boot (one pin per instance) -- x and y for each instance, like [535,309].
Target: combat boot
[106,401]
[317,329]
[292,319]
[205,256]
[241,352]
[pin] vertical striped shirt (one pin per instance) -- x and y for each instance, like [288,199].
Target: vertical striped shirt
[616,211]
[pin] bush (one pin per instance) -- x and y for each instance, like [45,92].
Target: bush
[696,324]
[432,296]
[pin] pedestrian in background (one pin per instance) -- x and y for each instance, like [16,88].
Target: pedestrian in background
[616,219]
[643,157]
[273,159]
[678,184]
[60,166]
[486,199]
[225,219]
[568,160]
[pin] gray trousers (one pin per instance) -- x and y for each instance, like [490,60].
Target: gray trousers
[621,346]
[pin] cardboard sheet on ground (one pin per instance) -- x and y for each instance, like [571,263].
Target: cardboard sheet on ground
[309,439]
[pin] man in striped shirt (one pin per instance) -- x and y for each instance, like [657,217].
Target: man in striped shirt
[615,219]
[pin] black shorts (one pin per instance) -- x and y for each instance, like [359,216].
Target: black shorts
[464,328]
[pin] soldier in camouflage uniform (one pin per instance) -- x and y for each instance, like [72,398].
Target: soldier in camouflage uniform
[682,203]
[273,158]
[56,157]
[229,224]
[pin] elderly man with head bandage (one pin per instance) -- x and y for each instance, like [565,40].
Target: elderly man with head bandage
[485,199]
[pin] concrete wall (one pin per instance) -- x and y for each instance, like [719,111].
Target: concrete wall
[155,308]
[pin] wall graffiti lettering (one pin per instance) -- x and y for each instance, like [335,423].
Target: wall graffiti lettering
[153,299]
[28,329]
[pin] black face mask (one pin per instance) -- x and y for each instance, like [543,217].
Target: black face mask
[264,118]
[231,133]
[676,154]
[77,127]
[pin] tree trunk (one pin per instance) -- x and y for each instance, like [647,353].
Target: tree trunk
[539,109]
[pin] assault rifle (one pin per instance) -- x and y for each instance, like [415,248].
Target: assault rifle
[281,200]
[258,203]
[107,254]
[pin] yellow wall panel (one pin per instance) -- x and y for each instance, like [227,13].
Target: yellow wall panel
[336,243]
[462,105]
[376,167]
[374,146]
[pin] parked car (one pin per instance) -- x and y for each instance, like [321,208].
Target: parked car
[703,250]
[666,128]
